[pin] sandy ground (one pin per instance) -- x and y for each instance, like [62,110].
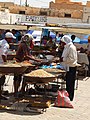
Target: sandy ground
[81,105]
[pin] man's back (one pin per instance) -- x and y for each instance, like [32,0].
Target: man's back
[4,46]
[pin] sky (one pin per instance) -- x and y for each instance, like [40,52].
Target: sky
[37,3]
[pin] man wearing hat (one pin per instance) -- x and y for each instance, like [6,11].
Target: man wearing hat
[69,61]
[4,47]
[23,53]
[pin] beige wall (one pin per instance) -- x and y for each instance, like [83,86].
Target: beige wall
[28,10]
[67,1]
[57,9]
[57,20]
[59,1]
[61,13]
[88,4]
[16,8]
[86,15]
[66,6]
[6,4]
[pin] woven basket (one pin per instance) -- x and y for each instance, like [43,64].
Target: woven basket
[15,70]
[55,70]
[39,79]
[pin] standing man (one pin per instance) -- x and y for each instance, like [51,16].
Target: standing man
[4,47]
[73,37]
[69,59]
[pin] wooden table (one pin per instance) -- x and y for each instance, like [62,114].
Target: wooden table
[46,52]
[14,46]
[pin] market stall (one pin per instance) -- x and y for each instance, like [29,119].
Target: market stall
[83,60]
[45,81]
[15,68]
[36,98]
[10,68]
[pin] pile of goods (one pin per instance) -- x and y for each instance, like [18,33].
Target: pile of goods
[54,70]
[10,65]
[12,68]
[39,73]
[39,76]
[16,64]
[26,63]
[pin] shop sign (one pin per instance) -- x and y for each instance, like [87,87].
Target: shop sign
[34,19]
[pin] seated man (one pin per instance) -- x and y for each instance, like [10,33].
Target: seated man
[51,44]
[23,53]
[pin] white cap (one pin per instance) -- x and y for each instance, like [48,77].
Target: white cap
[9,35]
[66,39]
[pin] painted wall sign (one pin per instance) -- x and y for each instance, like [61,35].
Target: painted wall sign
[34,19]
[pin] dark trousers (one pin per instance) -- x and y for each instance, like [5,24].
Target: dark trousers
[2,81]
[17,81]
[70,81]
[89,66]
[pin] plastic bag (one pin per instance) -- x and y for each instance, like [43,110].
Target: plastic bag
[63,100]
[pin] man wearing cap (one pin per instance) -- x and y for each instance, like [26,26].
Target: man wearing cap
[9,37]
[69,60]
[4,47]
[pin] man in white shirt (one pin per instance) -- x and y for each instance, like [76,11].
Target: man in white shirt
[69,61]
[4,47]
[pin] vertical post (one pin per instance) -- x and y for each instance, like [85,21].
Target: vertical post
[26,3]
[20,2]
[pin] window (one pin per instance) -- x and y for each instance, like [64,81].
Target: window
[43,13]
[67,15]
[21,12]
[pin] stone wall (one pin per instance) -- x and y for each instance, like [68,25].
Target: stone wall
[88,4]
[60,1]
[57,20]
[86,15]
[28,10]
[6,4]
[56,10]
[73,6]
